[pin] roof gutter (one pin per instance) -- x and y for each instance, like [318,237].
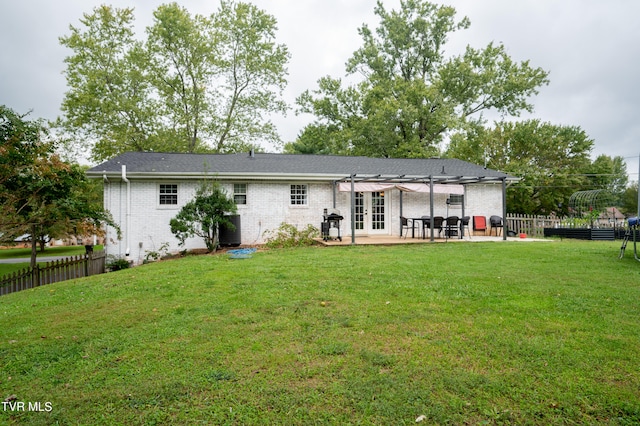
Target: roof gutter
[244,176]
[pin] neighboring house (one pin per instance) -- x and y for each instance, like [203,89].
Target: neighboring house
[611,217]
[144,190]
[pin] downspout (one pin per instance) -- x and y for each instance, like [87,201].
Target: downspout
[401,213]
[128,214]
[106,204]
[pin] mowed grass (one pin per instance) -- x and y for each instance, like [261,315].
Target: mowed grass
[475,333]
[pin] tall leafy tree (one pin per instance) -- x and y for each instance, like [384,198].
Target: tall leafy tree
[550,160]
[182,67]
[629,200]
[411,94]
[110,102]
[610,174]
[21,148]
[252,76]
[39,193]
[196,84]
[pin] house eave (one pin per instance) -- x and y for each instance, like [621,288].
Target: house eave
[240,176]
[307,177]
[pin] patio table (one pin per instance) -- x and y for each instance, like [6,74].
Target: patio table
[426,222]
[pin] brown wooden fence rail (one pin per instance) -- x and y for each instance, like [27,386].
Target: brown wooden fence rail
[53,272]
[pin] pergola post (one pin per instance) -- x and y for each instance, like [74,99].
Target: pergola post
[461,225]
[335,184]
[401,213]
[353,210]
[505,229]
[431,208]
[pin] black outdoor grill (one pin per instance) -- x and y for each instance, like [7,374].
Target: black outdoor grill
[331,224]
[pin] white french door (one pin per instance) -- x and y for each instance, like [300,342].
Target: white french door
[371,213]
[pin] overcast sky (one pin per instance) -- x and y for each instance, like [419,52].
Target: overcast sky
[590,47]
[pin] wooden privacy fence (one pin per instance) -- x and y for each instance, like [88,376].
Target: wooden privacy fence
[531,225]
[53,272]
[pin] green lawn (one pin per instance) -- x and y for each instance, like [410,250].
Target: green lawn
[16,253]
[460,333]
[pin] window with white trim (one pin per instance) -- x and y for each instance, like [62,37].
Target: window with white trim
[240,193]
[168,194]
[299,195]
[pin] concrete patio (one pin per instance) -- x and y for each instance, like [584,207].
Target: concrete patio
[394,240]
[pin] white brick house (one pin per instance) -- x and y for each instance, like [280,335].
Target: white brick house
[144,190]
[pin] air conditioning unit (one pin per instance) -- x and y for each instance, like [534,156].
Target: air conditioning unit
[455,199]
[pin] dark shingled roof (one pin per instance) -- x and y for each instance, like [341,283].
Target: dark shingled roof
[176,164]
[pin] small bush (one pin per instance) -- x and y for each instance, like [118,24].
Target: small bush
[288,235]
[153,255]
[117,263]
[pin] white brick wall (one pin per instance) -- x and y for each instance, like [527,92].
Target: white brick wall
[268,205]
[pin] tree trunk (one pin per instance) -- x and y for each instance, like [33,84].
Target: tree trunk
[34,245]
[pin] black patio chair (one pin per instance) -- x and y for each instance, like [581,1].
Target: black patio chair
[495,222]
[464,223]
[437,223]
[406,226]
[451,226]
